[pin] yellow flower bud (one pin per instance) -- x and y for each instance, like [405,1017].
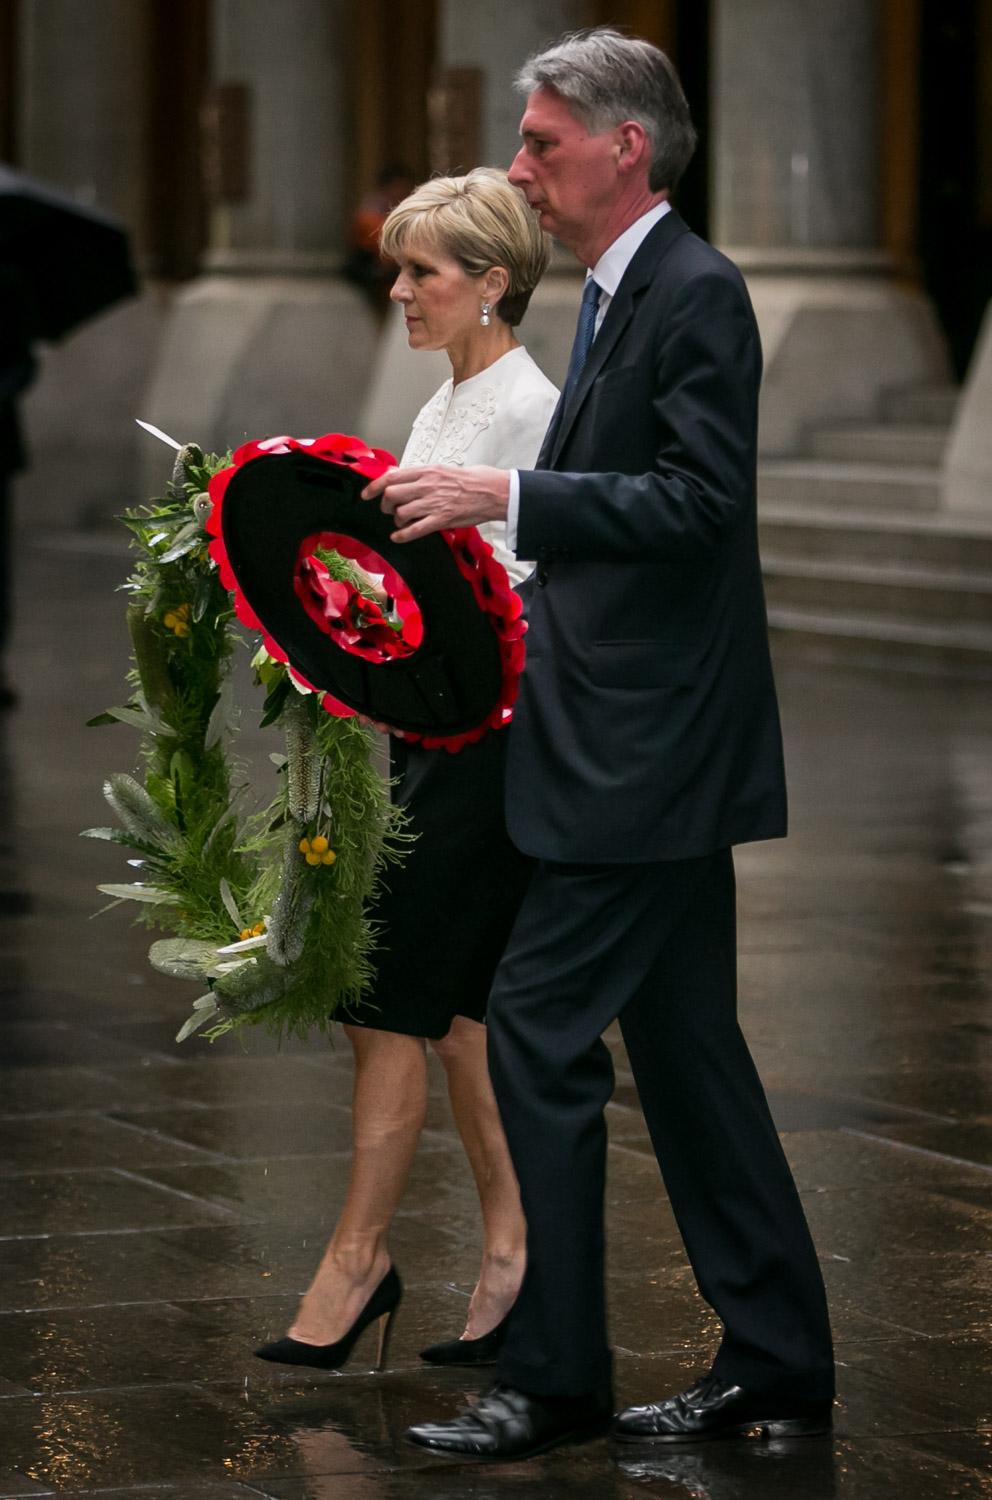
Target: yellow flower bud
[328,857]
[258,930]
[319,845]
[304,846]
[181,628]
[312,859]
[244,934]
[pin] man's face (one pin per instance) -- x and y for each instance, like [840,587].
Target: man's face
[567,175]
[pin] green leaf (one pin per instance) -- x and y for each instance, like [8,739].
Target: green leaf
[166,521]
[191,536]
[230,905]
[99,719]
[201,1014]
[183,958]
[275,702]
[150,894]
[137,719]
[201,598]
[220,716]
[118,836]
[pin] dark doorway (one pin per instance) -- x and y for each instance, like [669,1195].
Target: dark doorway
[692,57]
[955,223]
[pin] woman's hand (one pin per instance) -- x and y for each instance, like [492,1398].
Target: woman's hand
[434,498]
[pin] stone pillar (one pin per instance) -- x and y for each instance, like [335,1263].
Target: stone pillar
[795,114]
[796,173]
[472,34]
[270,339]
[293,67]
[83,86]
[82,74]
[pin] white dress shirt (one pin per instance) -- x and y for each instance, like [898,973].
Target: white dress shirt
[497,417]
[608,272]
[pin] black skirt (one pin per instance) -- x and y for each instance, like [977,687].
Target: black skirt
[445,913]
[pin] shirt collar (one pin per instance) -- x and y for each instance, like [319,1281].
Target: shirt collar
[613,262]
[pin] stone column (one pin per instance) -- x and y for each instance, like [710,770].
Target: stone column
[796,171]
[795,115]
[270,339]
[472,34]
[293,65]
[82,75]
[83,85]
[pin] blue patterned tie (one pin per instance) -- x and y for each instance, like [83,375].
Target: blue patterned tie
[585,329]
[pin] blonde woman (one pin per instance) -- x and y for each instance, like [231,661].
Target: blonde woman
[469,253]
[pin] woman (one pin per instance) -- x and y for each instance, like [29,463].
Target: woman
[470,253]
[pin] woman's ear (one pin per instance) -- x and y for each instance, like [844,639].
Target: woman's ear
[495,284]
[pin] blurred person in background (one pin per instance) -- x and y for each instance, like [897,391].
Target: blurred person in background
[17,368]
[364,264]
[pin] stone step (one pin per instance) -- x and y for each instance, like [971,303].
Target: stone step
[921,541]
[921,403]
[962,596]
[919,445]
[861,487]
[903,644]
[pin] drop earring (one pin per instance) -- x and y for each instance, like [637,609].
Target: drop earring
[484,317]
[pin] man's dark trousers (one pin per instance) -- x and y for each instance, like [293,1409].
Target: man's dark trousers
[654,945]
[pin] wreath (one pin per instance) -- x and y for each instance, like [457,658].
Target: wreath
[442,667]
[268,910]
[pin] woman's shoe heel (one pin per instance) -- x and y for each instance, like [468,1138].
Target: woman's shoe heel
[380,1308]
[385,1334]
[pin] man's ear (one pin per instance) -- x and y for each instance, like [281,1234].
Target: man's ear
[631,146]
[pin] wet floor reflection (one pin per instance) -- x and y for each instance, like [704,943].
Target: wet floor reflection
[163,1206]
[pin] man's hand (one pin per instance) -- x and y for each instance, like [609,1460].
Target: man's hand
[438,499]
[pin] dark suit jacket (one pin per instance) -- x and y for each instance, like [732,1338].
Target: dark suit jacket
[647,726]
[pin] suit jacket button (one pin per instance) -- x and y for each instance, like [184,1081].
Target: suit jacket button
[542,576]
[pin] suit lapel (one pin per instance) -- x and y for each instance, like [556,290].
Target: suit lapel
[635,279]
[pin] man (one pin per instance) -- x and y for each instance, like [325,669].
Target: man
[645,744]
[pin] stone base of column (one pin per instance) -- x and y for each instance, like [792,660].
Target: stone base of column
[835,335]
[252,356]
[79,416]
[968,467]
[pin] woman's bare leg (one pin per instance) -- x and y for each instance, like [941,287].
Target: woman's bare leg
[463,1054]
[389,1103]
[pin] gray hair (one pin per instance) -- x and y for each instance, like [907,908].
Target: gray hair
[605,78]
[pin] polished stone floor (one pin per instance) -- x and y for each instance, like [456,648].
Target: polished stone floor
[163,1205]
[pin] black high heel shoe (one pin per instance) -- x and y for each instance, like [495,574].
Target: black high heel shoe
[381,1307]
[481,1351]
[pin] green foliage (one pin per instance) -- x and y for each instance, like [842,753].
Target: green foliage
[207,867]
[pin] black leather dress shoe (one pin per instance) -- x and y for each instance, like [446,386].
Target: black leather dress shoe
[712,1408]
[507,1424]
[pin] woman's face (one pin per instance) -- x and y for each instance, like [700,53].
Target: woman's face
[441,301]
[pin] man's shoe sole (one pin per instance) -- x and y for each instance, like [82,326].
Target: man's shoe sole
[764,1429]
[576,1435]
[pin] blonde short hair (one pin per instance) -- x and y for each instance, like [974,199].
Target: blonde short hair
[481,220]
